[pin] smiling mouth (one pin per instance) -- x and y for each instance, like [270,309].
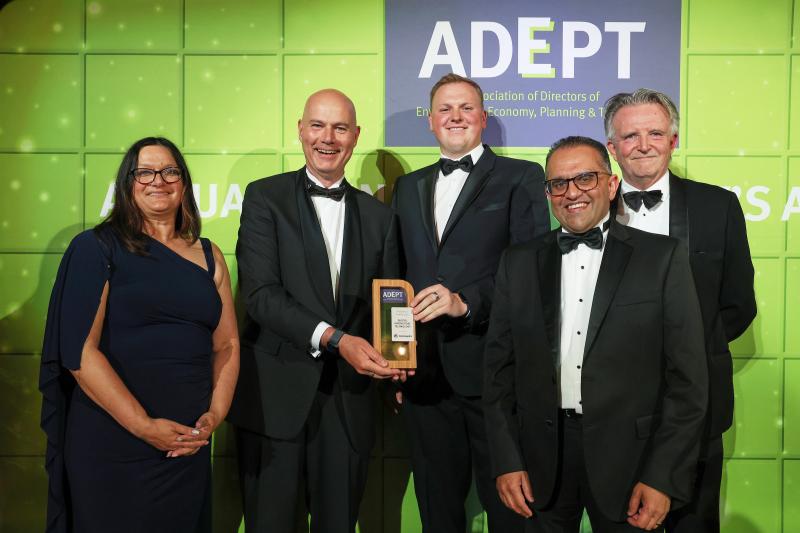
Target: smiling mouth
[457,128]
[577,206]
[326,152]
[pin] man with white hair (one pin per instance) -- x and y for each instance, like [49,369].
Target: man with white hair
[642,132]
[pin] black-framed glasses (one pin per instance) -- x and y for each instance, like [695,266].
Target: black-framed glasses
[146,176]
[585,181]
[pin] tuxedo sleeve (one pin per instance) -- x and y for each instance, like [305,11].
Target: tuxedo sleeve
[737,299]
[390,263]
[499,395]
[258,257]
[528,218]
[670,465]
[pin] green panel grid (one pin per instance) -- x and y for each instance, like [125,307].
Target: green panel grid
[765,334]
[794,105]
[51,188]
[737,103]
[101,171]
[230,260]
[756,430]
[25,284]
[39,102]
[790,209]
[793,308]
[317,26]
[791,408]
[357,76]
[759,182]
[20,406]
[233,25]
[751,496]
[232,102]
[399,164]
[791,495]
[35,25]
[219,184]
[750,26]
[141,25]
[130,97]
[23,494]
[796,25]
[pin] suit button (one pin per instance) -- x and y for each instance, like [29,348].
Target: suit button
[548,423]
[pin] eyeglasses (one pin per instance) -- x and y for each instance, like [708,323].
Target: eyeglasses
[146,176]
[585,181]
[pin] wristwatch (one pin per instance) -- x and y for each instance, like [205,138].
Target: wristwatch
[333,342]
[469,310]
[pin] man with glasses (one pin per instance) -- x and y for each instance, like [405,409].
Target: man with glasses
[642,132]
[595,386]
[456,217]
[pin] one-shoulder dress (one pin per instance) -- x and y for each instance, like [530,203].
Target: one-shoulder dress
[161,312]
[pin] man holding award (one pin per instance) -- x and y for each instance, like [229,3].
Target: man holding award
[456,217]
[309,246]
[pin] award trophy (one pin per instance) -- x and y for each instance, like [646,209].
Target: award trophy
[393,333]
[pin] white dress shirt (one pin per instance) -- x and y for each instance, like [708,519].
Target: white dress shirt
[579,270]
[447,190]
[330,214]
[655,220]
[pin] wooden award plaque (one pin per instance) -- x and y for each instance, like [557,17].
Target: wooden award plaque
[394,332]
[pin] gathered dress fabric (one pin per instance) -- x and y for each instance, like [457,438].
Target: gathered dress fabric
[160,315]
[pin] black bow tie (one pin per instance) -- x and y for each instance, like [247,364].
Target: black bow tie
[449,165]
[634,199]
[334,193]
[569,241]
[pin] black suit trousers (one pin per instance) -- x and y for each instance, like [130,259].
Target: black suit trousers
[572,492]
[449,444]
[318,467]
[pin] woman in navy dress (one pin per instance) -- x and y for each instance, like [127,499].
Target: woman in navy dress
[141,319]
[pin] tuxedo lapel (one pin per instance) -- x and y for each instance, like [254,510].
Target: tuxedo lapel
[549,264]
[612,267]
[472,187]
[678,210]
[314,246]
[425,193]
[352,255]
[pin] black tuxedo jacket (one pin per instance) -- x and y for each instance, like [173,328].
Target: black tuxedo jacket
[708,220]
[502,202]
[285,285]
[644,378]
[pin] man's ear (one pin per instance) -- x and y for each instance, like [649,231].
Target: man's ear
[611,149]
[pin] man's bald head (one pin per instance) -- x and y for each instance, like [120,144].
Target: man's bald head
[328,133]
[330,95]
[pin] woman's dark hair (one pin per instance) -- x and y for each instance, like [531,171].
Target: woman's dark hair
[126,219]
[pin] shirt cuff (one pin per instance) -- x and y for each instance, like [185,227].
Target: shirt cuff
[314,348]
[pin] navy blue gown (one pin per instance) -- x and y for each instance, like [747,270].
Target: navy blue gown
[161,313]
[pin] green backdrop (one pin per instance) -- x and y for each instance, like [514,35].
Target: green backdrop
[80,80]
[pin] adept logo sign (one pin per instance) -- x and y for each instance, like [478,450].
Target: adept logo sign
[546,67]
[527,47]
